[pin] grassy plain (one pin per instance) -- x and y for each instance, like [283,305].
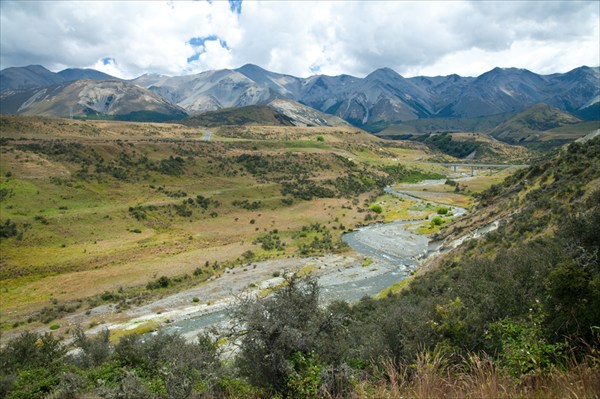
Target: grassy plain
[103,208]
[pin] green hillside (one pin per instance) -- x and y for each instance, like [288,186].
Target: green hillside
[418,127]
[542,126]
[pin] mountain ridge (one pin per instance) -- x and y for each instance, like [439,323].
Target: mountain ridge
[384,96]
[34,76]
[380,99]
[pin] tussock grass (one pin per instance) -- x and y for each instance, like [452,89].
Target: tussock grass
[432,376]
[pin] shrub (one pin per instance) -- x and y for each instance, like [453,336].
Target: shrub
[437,221]
[245,204]
[269,241]
[171,166]
[523,347]
[376,208]
[248,255]
[8,229]
[161,282]
[6,193]
[305,378]
[31,350]
[182,210]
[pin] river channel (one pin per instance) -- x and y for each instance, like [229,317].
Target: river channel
[393,252]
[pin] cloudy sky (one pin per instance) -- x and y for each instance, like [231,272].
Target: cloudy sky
[302,38]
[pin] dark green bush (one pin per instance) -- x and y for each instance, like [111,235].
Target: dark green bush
[161,282]
[8,229]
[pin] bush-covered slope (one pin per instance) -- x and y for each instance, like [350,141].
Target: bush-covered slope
[535,282]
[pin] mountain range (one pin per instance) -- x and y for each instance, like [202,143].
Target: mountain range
[380,99]
[35,76]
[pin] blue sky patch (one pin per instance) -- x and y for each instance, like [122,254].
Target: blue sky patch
[193,58]
[108,60]
[235,6]
[198,43]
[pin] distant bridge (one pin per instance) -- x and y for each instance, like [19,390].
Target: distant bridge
[474,166]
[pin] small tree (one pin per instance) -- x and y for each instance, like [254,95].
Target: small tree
[280,330]
[93,350]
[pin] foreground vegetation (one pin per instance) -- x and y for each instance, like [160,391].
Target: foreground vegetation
[512,314]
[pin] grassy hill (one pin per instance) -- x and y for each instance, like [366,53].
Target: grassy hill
[539,127]
[476,147]
[538,118]
[99,206]
[418,127]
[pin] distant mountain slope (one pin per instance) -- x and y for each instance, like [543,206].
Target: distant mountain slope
[72,74]
[497,91]
[89,98]
[279,112]
[384,97]
[481,124]
[27,77]
[381,99]
[249,115]
[210,91]
[473,147]
[577,91]
[285,85]
[302,115]
[539,126]
[33,76]
[531,122]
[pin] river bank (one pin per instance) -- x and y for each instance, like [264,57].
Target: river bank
[384,254]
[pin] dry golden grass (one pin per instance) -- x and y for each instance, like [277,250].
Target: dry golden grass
[478,377]
[51,128]
[297,133]
[133,260]
[483,181]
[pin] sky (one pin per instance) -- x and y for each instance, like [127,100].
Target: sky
[129,38]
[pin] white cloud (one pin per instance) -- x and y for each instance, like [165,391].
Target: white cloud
[433,38]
